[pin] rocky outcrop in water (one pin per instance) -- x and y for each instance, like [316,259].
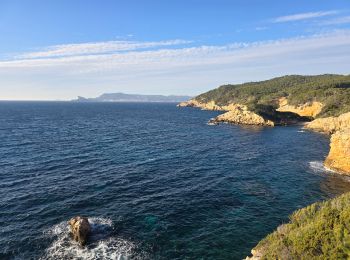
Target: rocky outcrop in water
[80,229]
[235,113]
[242,116]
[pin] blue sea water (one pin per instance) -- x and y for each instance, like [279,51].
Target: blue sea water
[155,181]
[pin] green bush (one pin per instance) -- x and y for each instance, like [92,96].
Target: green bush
[319,231]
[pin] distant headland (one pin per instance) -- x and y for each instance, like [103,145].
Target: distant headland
[122,97]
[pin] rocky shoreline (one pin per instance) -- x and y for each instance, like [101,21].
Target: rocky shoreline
[338,128]
[338,158]
[242,115]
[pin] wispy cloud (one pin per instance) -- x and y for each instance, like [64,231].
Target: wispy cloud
[176,70]
[336,21]
[87,56]
[303,16]
[97,48]
[261,28]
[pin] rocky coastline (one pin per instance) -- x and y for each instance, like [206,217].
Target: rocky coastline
[338,128]
[242,115]
[338,158]
[321,103]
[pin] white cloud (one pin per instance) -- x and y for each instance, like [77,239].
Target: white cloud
[338,20]
[303,16]
[85,59]
[96,48]
[175,70]
[261,28]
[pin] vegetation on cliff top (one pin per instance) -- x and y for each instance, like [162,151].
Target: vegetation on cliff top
[331,90]
[319,231]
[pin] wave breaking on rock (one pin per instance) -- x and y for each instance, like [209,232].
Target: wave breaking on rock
[102,244]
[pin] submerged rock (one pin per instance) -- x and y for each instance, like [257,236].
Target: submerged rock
[80,228]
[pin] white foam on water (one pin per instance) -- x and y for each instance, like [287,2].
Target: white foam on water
[101,244]
[301,131]
[318,167]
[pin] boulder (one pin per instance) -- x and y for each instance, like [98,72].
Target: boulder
[80,229]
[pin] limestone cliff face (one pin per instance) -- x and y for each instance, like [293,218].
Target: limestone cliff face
[338,158]
[242,116]
[311,109]
[330,125]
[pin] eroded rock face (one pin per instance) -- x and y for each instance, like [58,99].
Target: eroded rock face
[338,158]
[310,109]
[80,228]
[330,125]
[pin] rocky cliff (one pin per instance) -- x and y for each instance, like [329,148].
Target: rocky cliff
[338,158]
[330,125]
[310,109]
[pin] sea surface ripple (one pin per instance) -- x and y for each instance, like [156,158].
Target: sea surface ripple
[156,181]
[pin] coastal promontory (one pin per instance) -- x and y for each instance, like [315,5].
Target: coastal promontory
[324,100]
[321,230]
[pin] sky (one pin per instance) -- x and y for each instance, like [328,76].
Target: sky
[58,50]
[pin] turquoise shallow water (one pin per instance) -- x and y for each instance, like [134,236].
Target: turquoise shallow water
[155,181]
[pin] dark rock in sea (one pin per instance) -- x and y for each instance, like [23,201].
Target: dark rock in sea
[80,228]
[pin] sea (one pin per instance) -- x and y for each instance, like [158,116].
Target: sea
[154,180]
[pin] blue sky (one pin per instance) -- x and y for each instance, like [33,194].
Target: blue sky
[60,49]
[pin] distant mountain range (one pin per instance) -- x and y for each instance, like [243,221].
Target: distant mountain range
[122,97]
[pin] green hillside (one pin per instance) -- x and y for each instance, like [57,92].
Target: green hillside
[319,231]
[331,90]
